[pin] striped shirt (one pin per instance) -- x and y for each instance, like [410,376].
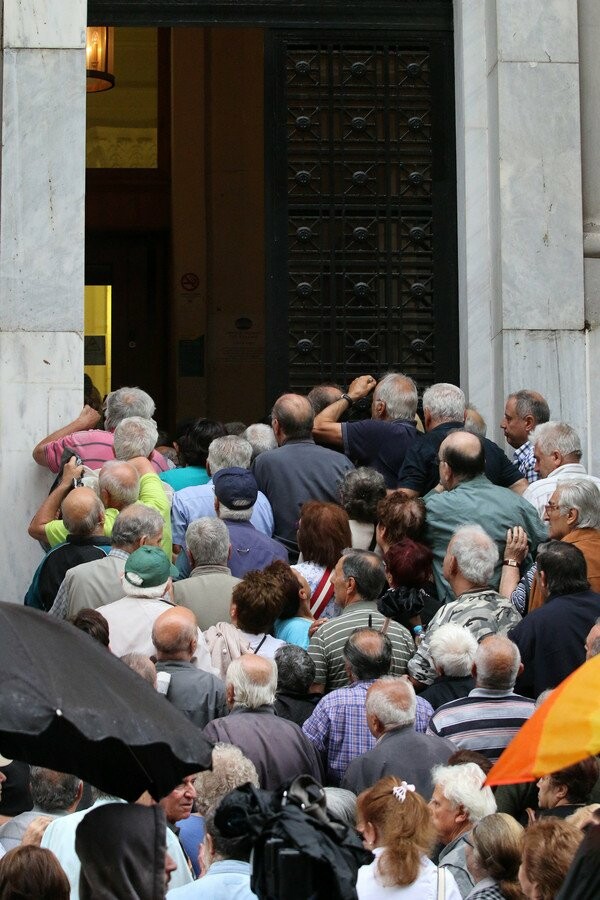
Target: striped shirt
[93,447]
[338,727]
[326,647]
[486,721]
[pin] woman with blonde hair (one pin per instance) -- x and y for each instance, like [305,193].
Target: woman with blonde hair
[548,848]
[493,855]
[395,823]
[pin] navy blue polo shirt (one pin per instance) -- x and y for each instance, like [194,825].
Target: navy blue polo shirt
[381,444]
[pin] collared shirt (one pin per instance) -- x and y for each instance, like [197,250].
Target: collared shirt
[540,492]
[326,647]
[251,549]
[483,612]
[486,721]
[338,727]
[525,461]
[381,444]
[195,502]
[226,879]
[60,607]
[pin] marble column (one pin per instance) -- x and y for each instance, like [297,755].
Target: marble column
[42,183]
[519,166]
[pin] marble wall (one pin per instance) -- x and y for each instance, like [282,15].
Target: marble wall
[520,196]
[42,183]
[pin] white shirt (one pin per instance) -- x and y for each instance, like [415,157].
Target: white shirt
[267,649]
[541,490]
[369,887]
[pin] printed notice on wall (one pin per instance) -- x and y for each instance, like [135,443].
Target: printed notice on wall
[242,347]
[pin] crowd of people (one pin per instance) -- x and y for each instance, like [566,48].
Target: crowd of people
[358,603]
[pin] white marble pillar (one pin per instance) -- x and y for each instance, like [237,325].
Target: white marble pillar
[519,165]
[42,183]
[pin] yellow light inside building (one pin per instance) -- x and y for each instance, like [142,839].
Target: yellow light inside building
[99,58]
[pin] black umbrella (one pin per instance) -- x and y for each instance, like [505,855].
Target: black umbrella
[67,703]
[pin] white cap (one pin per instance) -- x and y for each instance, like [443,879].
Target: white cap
[4,761]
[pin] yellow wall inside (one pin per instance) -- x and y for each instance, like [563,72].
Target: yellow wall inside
[97,321]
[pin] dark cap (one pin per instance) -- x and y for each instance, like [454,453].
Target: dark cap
[235,488]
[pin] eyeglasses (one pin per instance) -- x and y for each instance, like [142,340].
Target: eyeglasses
[551,507]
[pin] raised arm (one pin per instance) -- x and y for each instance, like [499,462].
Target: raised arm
[87,418]
[327,427]
[50,508]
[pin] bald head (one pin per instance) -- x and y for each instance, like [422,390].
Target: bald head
[83,512]
[119,484]
[462,458]
[497,663]
[368,654]
[292,417]
[251,681]
[174,634]
[391,702]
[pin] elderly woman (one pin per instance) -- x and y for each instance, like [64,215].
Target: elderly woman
[396,825]
[323,532]
[399,516]
[452,649]
[493,856]
[573,515]
[548,849]
[360,492]
[458,802]
[568,790]
[411,597]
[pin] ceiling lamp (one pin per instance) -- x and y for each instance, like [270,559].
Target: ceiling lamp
[99,58]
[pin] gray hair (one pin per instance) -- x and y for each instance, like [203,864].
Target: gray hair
[236,515]
[475,552]
[148,593]
[360,492]
[557,436]
[367,570]
[228,451]
[84,526]
[385,709]
[207,540]
[530,403]
[135,436]
[296,670]
[341,804]
[125,402]
[497,661]
[108,480]
[135,522]
[583,495]
[248,693]
[142,665]
[399,393]
[53,791]
[230,769]
[260,437]
[452,648]
[463,786]
[474,422]
[445,401]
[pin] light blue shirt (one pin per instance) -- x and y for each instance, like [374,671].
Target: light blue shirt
[293,631]
[194,502]
[227,879]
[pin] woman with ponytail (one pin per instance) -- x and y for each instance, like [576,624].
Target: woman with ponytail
[395,824]
[493,855]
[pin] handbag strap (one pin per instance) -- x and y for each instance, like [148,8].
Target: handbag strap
[441,883]
[322,594]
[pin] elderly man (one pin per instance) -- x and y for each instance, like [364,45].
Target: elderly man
[90,585]
[382,441]
[207,592]
[298,469]
[261,437]
[524,411]
[469,497]
[573,516]
[487,719]
[557,452]
[196,502]
[276,746]
[468,567]
[338,726]
[400,750]
[235,496]
[444,409]
[147,583]
[53,793]
[199,695]
[83,515]
[452,649]
[295,675]
[358,580]
[552,638]
[92,445]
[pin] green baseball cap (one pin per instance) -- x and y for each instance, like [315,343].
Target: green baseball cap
[149,567]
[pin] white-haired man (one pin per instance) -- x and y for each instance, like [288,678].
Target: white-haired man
[557,453]
[468,566]
[444,411]
[488,719]
[382,441]
[92,445]
[277,747]
[452,649]
[400,750]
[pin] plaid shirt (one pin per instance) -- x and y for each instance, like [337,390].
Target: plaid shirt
[525,461]
[338,727]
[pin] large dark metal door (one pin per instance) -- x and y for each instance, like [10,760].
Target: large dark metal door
[361,226]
